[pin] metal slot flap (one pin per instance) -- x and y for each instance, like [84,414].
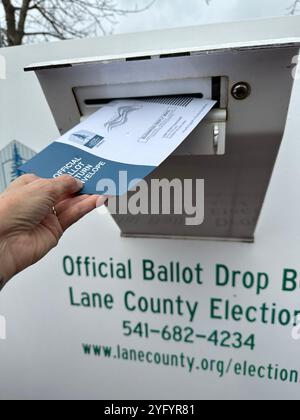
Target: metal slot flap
[208,138]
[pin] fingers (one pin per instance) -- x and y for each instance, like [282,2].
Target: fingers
[59,188]
[65,186]
[73,201]
[68,202]
[74,212]
[102,199]
[39,195]
[22,181]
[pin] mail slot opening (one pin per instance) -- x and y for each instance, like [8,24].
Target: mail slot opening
[99,102]
[89,98]
[216,95]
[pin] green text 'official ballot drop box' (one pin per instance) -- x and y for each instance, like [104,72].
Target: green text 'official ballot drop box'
[247,68]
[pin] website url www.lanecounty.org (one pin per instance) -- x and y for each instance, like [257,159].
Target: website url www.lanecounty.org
[219,367]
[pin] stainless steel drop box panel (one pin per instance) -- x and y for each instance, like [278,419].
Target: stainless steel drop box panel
[234,149]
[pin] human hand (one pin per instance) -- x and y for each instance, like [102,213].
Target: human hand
[29,225]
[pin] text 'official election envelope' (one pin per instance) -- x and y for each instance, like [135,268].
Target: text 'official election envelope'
[131,137]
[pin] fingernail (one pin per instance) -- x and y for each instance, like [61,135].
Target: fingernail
[79,184]
[101,201]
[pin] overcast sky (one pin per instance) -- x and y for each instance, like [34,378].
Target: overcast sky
[172,13]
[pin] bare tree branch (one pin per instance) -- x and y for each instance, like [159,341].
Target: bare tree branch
[43,20]
[294,7]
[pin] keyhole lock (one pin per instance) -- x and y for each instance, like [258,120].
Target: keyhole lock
[241,91]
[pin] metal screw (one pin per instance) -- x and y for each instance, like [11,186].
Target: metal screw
[241,91]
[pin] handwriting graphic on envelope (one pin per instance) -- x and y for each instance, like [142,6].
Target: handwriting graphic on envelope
[131,136]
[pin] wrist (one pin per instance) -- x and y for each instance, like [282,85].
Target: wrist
[6,257]
[4,277]
[5,264]
[2,282]
[5,213]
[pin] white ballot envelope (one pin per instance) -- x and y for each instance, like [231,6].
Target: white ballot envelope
[2,328]
[124,136]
